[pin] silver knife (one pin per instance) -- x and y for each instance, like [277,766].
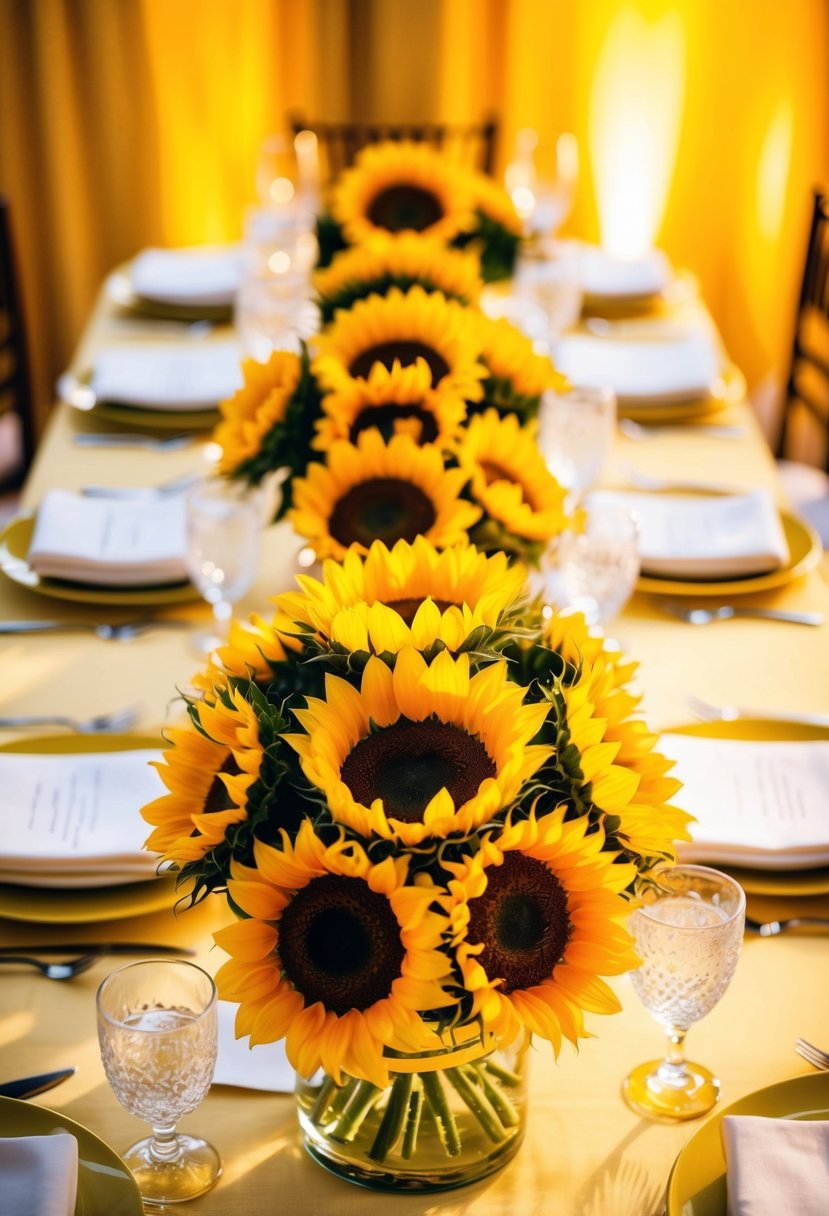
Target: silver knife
[148,948]
[29,1087]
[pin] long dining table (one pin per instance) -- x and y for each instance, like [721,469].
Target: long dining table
[585,1151]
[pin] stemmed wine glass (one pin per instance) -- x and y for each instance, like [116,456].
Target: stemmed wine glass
[157,1028]
[224,525]
[688,932]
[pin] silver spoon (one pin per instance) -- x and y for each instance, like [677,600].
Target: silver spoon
[169,443]
[727,612]
[637,431]
[116,720]
[65,970]
[123,632]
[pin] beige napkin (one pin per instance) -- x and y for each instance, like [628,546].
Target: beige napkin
[39,1175]
[776,1166]
[637,369]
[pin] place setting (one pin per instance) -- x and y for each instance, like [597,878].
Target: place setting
[192,284]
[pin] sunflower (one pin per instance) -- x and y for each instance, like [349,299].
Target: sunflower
[338,956]
[511,482]
[402,186]
[209,770]
[404,327]
[376,491]
[251,652]
[425,750]
[259,405]
[492,201]
[400,401]
[411,594]
[609,757]
[517,375]
[397,261]
[535,923]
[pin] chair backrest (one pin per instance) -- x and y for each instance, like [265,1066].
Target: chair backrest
[471,144]
[805,420]
[15,383]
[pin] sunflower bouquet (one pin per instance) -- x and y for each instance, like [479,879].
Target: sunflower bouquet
[403,187]
[415,416]
[427,802]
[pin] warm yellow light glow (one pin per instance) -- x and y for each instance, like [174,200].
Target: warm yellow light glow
[281,190]
[635,112]
[773,172]
[279,262]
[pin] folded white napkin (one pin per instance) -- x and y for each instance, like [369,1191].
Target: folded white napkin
[38,1175]
[194,377]
[705,536]
[776,1166]
[69,821]
[113,542]
[602,274]
[684,366]
[188,276]
[755,804]
[264,1067]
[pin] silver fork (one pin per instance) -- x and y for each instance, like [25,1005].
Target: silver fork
[773,928]
[123,632]
[726,612]
[813,1055]
[637,431]
[163,490]
[100,724]
[733,713]
[166,443]
[65,970]
[644,481]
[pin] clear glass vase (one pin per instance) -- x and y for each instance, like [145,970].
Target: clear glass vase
[447,1118]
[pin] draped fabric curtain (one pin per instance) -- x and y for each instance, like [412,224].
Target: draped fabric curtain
[125,123]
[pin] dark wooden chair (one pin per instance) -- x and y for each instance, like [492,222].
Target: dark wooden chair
[471,144]
[17,435]
[807,387]
[803,443]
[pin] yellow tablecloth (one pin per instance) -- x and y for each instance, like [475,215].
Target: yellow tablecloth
[585,1151]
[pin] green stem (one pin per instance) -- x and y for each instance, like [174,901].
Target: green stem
[503,1107]
[478,1103]
[323,1098]
[360,1103]
[394,1117]
[503,1074]
[340,1099]
[412,1123]
[445,1120]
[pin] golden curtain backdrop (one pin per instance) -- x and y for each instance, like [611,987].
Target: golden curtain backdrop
[125,123]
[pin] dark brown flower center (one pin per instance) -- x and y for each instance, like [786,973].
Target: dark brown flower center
[407,763]
[339,943]
[384,508]
[218,799]
[407,608]
[384,418]
[493,471]
[522,917]
[404,352]
[404,206]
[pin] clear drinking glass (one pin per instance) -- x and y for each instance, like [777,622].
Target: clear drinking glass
[575,432]
[157,1029]
[224,529]
[274,306]
[595,569]
[688,932]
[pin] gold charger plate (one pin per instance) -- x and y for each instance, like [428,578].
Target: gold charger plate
[15,540]
[766,882]
[76,391]
[804,554]
[73,905]
[728,389]
[120,291]
[105,1185]
[696,1184]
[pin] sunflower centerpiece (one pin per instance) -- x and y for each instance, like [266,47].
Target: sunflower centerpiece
[428,805]
[404,187]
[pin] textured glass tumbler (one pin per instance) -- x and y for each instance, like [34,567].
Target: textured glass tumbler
[688,931]
[157,1029]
